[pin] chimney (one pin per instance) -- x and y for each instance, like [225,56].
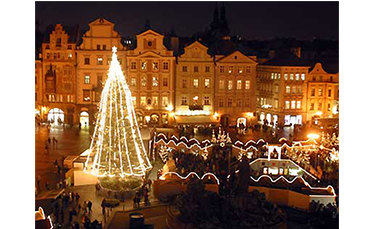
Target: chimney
[175,44]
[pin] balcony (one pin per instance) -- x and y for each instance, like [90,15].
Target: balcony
[196,107]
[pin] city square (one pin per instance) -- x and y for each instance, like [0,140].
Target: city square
[164,128]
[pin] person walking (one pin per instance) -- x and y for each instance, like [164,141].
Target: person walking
[89,205]
[77,197]
[84,207]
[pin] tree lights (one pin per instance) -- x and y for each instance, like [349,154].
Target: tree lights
[117,144]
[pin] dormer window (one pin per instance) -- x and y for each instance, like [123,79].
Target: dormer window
[150,43]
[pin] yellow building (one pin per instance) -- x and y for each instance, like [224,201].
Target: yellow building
[323,93]
[38,90]
[281,90]
[194,99]
[150,73]
[235,86]
[58,96]
[93,59]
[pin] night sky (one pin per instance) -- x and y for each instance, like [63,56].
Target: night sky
[251,20]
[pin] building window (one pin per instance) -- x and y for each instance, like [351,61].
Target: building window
[247,84]
[230,69]
[185,68]
[133,65]
[276,103]
[285,76]
[87,79]
[329,92]
[248,69]
[58,55]
[221,84]
[331,78]
[293,90]
[230,85]
[303,76]
[36,80]
[240,69]
[195,68]
[220,103]
[86,95]
[165,82]
[246,102]
[312,92]
[134,100]
[165,65]
[142,100]
[312,107]
[155,101]
[184,100]
[48,56]
[320,91]
[143,66]
[291,76]
[239,102]
[287,104]
[287,89]
[328,106]
[276,89]
[229,102]
[279,76]
[272,75]
[87,60]
[99,61]
[206,100]
[207,68]
[207,83]
[184,83]
[293,104]
[155,81]
[148,101]
[143,81]
[239,85]
[104,47]
[98,47]
[297,76]
[133,81]
[299,89]
[221,69]
[70,56]
[320,106]
[165,101]
[195,83]
[155,66]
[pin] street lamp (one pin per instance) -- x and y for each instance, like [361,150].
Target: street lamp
[313,136]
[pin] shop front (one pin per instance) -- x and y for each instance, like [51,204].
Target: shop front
[293,119]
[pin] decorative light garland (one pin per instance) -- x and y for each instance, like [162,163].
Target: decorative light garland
[162,177]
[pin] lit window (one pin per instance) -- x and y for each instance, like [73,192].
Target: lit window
[287,104]
[279,75]
[185,68]
[230,69]
[297,76]
[133,81]
[272,75]
[287,89]
[155,101]
[230,84]
[247,84]
[293,90]
[285,76]
[155,81]
[195,83]
[239,85]
[221,84]
[155,66]
[143,81]
[293,104]
[328,106]
[133,65]
[303,76]
[207,69]
[320,91]
[86,95]
[291,76]
[143,100]
[165,65]
[184,100]
[221,69]
[143,66]
[276,103]
[207,83]
[312,92]
[276,88]
[87,79]
[165,101]
[240,69]
[134,101]
[195,68]
[184,83]
[70,56]
[206,100]
[100,61]
[298,104]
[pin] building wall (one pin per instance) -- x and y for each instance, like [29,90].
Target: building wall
[195,80]
[233,101]
[322,94]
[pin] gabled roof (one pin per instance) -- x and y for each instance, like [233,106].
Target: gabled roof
[237,52]
[196,43]
[100,21]
[150,31]
[287,59]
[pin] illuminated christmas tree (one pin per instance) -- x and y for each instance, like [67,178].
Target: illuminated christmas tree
[117,144]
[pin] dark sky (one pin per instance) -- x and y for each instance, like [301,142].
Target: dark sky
[252,20]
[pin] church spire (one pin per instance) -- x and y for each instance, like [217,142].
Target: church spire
[215,22]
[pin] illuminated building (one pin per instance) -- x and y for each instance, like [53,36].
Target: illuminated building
[58,95]
[38,89]
[281,90]
[235,87]
[322,93]
[150,71]
[195,85]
